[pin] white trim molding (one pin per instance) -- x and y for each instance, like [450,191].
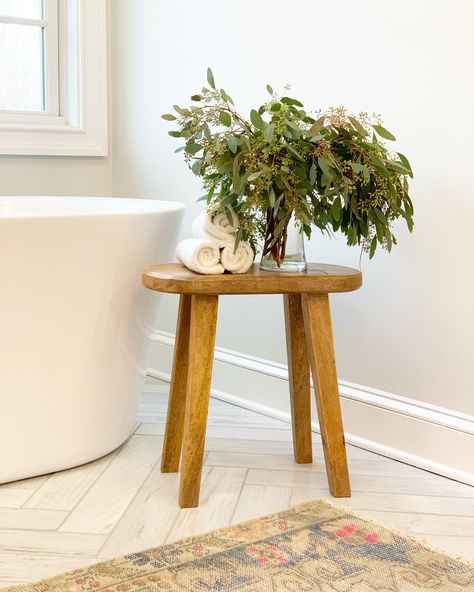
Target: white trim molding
[80,128]
[433,438]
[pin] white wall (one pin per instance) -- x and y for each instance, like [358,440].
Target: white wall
[410,329]
[45,175]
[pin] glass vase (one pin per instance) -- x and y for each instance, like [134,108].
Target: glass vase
[287,253]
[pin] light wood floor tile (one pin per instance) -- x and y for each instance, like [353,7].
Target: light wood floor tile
[15,494]
[284,447]
[62,543]
[427,524]
[106,501]
[22,567]
[149,518]
[394,502]
[63,490]
[22,518]
[287,462]
[258,500]
[220,491]
[413,485]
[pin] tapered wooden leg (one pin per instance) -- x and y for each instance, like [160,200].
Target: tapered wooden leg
[298,369]
[177,399]
[201,353]
[317,319]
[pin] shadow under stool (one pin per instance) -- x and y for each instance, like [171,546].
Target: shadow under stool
[309,345]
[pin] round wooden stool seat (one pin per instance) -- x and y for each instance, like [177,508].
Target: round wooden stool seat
[309,343]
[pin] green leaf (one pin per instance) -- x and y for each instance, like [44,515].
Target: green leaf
[178,109]
[193,148]
[236,178]
[336,209]
[383,133]
[168,117]
[210,78]
[269,89]
[271,197]
[196,98]
[230,218]
[268,133]
[254,176]
[295,154]
[275,107]
[316,127]
[174,134]
[180,149]
[202,198]
[225,118]
[232,143]
[226,97]
[325,166]
[381,216]
[360,168]
[358,127]
[373,246]
[196,168]
[257,120]
[289,101]
[406,164]
[312,173]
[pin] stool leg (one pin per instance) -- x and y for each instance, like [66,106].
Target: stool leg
[298,369]
[317,319]
[177,399]
[201,353]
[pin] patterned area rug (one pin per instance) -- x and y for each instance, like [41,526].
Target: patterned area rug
[313,547]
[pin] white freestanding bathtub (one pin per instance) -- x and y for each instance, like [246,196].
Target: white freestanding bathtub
[75,324]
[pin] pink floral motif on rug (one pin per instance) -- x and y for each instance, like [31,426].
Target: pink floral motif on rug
[313,547]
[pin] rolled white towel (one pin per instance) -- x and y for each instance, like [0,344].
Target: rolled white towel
[217,228]
[201,255]
[237,260]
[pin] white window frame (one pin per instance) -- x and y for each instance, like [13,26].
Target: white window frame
[75,122]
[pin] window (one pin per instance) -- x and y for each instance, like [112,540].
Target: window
[29,56]
[53,77]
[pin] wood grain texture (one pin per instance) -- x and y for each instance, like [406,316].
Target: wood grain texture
[221,487]
[177,398]
[177,279]
[202,334]
[14,495]
[298,370]
[63,490]
[148,519]
[26,518]
[256,501]
[317,319]
[106,501]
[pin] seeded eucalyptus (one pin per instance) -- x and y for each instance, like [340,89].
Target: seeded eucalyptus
[331,170]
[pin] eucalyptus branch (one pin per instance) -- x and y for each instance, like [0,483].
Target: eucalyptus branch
[334,172]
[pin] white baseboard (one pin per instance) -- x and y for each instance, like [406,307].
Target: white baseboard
[433,438]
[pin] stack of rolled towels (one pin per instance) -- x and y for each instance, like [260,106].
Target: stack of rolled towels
[212,249]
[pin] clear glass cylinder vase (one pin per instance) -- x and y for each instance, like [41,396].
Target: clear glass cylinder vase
[287,254]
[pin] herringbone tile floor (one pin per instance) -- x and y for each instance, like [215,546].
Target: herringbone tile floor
[122,503]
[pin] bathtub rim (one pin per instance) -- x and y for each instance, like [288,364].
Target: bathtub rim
[142,207]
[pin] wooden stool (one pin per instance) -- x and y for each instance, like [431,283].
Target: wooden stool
[309,343]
